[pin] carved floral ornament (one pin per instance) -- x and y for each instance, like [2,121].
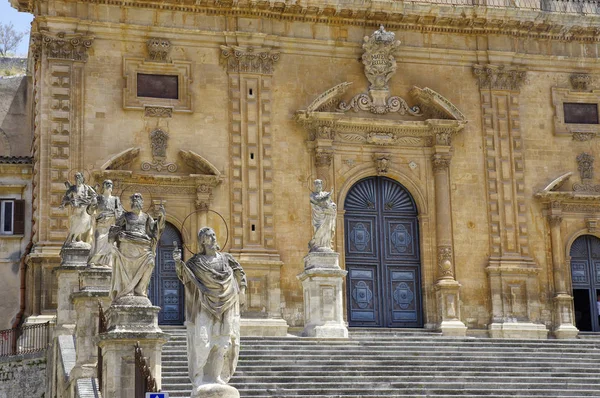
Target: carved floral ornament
[158,49]
[72,47]
[580,81]
[249,59]
[499,77]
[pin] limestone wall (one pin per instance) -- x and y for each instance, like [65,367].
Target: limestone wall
[23,376]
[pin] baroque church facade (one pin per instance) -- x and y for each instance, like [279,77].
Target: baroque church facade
[458,140]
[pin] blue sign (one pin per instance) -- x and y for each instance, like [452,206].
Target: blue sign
[157,395]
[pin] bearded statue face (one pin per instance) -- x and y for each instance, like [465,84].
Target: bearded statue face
[107,186]
[137,202]
[79,179]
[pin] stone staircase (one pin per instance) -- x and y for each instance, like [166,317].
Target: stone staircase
[400,363]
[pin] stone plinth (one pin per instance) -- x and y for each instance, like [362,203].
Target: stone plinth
[73,260]
[94,284]
[517,330]
[565,329]
[447,292]
[215,391]
[128,324]
[322,285]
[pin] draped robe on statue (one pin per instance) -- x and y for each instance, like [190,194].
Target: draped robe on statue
[108,209]
[212,287]
[324,213]
[133,261]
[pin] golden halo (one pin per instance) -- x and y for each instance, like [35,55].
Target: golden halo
[211,211]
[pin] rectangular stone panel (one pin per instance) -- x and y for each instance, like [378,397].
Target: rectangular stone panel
[158,86]
[580,113]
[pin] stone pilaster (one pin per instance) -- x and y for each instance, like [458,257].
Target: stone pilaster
[447,288]
[516,306]
[563,316]
[250,71]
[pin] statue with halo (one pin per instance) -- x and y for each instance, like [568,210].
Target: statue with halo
[215,286]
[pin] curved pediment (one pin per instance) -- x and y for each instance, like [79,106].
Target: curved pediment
[121,159]
[198,163]
[328,98]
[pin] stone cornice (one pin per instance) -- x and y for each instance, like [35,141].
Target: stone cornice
[499,77]
[426,17]
[249,59]
[65,46]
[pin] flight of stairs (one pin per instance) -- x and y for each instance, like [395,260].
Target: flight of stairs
[400,363]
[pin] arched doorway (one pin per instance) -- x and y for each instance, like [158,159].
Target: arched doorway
[382,255]
[165,290]
[585,276]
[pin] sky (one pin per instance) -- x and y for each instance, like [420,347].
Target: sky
[20,20]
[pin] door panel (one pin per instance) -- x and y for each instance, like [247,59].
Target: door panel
[585,278]
[382,255]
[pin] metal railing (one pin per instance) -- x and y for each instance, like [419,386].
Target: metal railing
[24,340]
[144,382]
[102,326]
[583,7]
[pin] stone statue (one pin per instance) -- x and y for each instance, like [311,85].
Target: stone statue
[106,209]
[79,196]
[215,286]
[136,235]
[324,213]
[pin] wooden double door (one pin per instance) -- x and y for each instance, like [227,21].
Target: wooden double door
[585,278]
[382,255]
[165,289]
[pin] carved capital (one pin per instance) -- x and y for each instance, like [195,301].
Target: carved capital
[443,137]
[440,162]
[579,136]
[499,77]
[203,197]
[580,81]
[555,220]
[72,47]
[249,60]
[445,262]
[158,49]
[382,163]
[323,157]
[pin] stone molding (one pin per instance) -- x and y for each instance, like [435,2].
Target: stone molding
[493,77]
[504,21]
[158,111]
[249,59]
[65,46]
[579,132]
[570,203]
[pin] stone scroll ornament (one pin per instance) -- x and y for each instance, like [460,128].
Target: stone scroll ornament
[215,289]
[79,196]
[136,235]
[324,213]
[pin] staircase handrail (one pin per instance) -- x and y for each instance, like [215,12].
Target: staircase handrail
[144,381]
[25,339]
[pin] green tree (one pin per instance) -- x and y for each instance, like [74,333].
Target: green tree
[9,38]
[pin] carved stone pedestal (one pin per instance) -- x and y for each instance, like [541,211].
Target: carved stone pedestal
[322,285]
[128,324]
[447,292]
[94,285]
[73,260]
[215,391]
[563,310]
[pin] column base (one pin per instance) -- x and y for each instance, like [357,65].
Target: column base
[564,317]
[566,331]
[518,330]
[453,328]
[215,391]
[263,327]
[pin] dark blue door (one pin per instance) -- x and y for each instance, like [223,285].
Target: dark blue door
[382,255]
[165,290]
[585,276]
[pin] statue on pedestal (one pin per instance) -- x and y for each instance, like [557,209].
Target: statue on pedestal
[215,286]
[79,196]
[136,234]
[324,213]
[106,209]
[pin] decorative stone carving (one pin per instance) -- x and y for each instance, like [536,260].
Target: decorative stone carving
[591,225]
[203,197]
[72,47]
[158,111]
[198,163]
[249,60]
[105,208]
[434,105]
[324,213]
[392,104]
[323,157]
[158,141]
[555,219]
[585,165]
[327,100]
[215,289]
[79,196]
[381,138]
[378,58]
[499,77]
[382,163]
[445,262]
[158,49]
[580,81]
[580,136]
[440,162]
[443,138]
[136,234]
